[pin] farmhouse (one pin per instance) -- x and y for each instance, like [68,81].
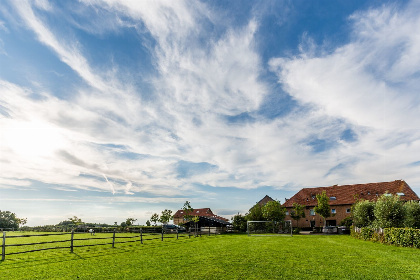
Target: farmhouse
[341,200]
[202,212]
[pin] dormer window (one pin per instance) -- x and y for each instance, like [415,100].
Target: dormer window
[400,194]
[333,198]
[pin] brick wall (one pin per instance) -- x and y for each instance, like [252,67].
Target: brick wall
[317,221]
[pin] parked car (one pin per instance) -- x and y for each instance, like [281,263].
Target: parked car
[173,228]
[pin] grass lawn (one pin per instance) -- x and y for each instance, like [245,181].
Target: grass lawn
[222,257]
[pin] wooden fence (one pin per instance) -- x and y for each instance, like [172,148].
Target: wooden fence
[73,241]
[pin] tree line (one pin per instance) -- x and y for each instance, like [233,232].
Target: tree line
[389,211]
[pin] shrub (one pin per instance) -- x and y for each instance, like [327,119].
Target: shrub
[389,211]
[363,213]
[412,214]
[366,233]
[405,237]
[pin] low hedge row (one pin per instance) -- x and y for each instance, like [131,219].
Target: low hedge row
[404,237]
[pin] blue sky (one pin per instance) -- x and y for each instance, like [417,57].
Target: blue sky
[114,109]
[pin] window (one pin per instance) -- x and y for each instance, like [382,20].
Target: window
[287,213]
[348,210]
[312,212]
[333,211]
[400,193]
[387,194]
[333,198]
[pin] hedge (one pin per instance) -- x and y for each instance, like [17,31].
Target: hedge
[404,237]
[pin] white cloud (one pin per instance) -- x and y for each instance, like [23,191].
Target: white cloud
[370,83]
[107,139]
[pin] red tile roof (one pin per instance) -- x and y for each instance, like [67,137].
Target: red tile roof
[201,212]
[348,194]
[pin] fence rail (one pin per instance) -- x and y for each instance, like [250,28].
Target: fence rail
[114,239]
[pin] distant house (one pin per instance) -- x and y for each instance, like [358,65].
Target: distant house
[264,201]
[341,200]
[202,212]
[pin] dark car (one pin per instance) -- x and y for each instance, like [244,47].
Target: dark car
[173,228]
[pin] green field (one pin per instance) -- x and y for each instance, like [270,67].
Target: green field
[222,257]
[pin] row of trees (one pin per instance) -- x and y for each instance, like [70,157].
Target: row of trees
[387,212]
[164,218]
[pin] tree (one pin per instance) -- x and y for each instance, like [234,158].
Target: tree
[412,214]
[148,223]
[255,213]
[323,207]
[22,221]
[239,223]
[273,211]
[297,212]
[154,218]
[8,220]
[389,211]
[166,216]
[130,221]
[362,212]
[188,210]
[75,220]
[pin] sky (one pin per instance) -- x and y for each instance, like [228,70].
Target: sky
[112,109]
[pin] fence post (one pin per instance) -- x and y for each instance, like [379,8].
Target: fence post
[209,230]
[189,233]
[162,233]
[176,234]
[71,241]
[3,251]
[113,240]
[141,235]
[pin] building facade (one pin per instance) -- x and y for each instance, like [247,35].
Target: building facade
[341,199]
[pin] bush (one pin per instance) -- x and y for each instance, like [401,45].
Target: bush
[363,213]
[412,214]
[389,211]
[405,237]
[296,230]
[366,233]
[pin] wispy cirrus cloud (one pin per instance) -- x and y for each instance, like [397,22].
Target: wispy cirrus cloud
[194,122]
[368,83]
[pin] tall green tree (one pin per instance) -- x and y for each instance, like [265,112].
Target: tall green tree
[255,213]
[8,220]
[323,207]
[297,212]
[75,220]
[412,214]
[389,211]
[130,221]
[154,218]
[188,210]
[239,223]
[273,211]
[362,212]
[166,216]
